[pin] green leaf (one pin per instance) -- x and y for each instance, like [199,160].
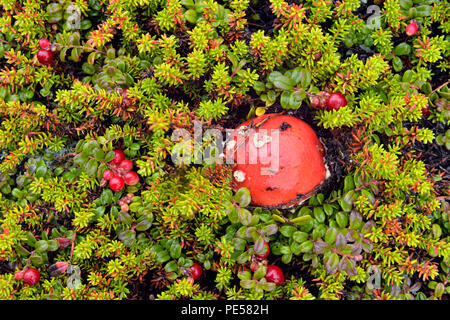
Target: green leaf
[302,220]
[143,224]
[306,246]
[171,266]
[242,197]
[247,284]
[191,16]
[41,246]
[287,230]
[321,247]
[342,219]
[328,208]
[91,167]
[21,251]
[260,272]
[295,75]
[125,218]
[331,262]
[109,156]
[305,78]
[319,214]
[52,245]
[30,239]
[284,83]
[278,218]
[259,86]
[99,154]
[162,256]
[348,266]
[286,258]
[80,159]
[175,250]
[402,49]
[285,98]
[340,242]
[300,236]
[439,290]
[128,237]
[269,230]
[107,196]
[349,183]
[37,259]
[245,217]
[244,275]
[424,10]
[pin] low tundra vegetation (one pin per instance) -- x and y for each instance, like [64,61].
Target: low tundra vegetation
[93,207]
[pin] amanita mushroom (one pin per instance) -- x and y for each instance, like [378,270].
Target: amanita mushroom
[299,164]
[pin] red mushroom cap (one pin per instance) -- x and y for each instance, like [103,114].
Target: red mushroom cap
[300,167]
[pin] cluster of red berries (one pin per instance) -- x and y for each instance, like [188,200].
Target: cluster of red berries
[326,100]
[30,276]
[45,55]
[273,273]
[120,173]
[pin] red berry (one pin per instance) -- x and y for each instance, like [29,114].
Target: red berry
[335,101]
[116,183]
[18,275]
[45,56]
[108,174]
[411,28]
[119,157]
[44,43]
[31,276]
[425,112]
[126,165]
[274,274]
[265,254]
[196,271]
[63,242]
[131,178]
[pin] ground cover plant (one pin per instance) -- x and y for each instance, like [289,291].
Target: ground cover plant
[92,205]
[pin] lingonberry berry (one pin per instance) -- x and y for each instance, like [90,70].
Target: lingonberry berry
[274,274]
[119,157]
[31,276]
[108,174]
[196,271]
[116,183]
[44,43]
[335,101]
[131,178]
[411,28]
[126,165]
[45,56]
